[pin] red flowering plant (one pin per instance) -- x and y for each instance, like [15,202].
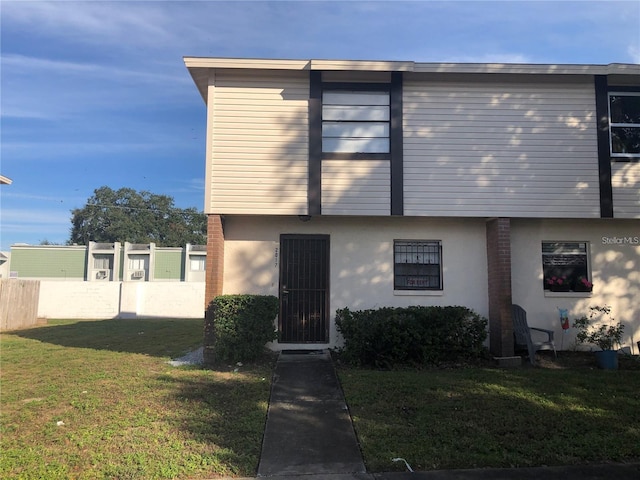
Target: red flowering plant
[583,284]
[557,282]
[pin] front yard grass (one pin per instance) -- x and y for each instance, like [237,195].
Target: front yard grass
[97,399]
[489,417]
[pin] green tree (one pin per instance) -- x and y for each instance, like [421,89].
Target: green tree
[126,215]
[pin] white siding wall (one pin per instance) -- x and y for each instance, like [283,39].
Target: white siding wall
[356,187]
[259,142]
[625,180]
[500,149]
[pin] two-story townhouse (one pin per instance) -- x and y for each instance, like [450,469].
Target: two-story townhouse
[364,184]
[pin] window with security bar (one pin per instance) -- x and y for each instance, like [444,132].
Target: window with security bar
[417,265]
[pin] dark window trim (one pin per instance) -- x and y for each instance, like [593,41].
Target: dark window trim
[604,157]
[316,87]
[355,156]
[314,194]
[396,141]
[355,87]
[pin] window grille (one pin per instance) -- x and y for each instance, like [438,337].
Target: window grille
[417,265]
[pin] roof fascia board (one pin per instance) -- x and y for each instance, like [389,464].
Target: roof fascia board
[246,63]
[529,69]
[408,66]
[357,65]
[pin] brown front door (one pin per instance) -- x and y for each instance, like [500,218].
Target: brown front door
[304,277]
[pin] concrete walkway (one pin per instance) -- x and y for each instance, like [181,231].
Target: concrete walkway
[308,428]
[309,435]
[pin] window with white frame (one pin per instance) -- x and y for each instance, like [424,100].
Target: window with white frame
[565,266]
[197,263]
[355,121]
[624,124]
[102,261]
[138,262]
[417,265]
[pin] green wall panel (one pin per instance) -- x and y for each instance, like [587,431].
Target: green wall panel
[49,263]
[168,265]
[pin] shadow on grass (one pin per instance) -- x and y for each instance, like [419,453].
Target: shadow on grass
[226,411]
[495,418]
[127,416]
[159,337]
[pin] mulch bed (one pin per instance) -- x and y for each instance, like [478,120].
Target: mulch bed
[572,359]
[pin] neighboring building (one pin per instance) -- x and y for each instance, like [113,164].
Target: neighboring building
[4,264]
[364,184]
[108,262]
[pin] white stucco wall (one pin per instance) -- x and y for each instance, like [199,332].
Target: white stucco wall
[615,268]
[361,259]
[93,300]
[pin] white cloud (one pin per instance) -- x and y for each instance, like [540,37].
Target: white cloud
[19,219]
[111,22]
[634,52]
[32,225]
[42,88]
[25,65]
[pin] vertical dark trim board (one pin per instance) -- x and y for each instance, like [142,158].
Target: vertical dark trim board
[604,157]
[314,191]
[396,141]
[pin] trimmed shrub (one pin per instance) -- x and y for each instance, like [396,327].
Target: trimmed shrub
[388,337]
[237,327]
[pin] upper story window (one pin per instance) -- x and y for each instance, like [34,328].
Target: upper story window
[355,122]
[565,266]
[624,124]
[102,261]
[417,265]
[197,263]
[138,262]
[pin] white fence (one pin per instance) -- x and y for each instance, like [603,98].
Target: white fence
[98,300]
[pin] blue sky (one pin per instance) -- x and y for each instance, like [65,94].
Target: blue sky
[96,93]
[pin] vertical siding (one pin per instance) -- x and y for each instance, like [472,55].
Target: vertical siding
[356,187]
[625,181]
[500,149]
[168,265]
[259,142]
[38,262]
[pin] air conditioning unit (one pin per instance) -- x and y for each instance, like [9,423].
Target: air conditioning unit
[137,274]
[102,274]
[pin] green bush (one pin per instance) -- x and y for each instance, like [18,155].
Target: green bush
[388,337]
[237,327]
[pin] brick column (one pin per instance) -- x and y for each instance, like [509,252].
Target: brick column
[215,259]
[499,270]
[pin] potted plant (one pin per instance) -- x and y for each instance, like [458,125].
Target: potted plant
[583,285]
[604,335]
[558,284]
